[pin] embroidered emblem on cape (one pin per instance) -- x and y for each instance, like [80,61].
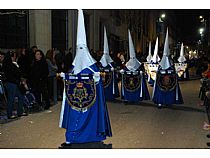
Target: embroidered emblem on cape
[80,91]
[180,68]
[166,80]
[152,69]
[106,78]
[132,81]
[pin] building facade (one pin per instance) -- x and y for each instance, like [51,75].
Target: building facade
[57,29]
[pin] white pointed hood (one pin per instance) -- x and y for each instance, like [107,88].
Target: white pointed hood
[133,64]
[182,58]
[155,57]
[149,57]
[106,59]
[165,62]
[83,59]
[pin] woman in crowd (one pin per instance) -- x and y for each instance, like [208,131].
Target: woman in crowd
[13,76]
[52,82]
[38,76]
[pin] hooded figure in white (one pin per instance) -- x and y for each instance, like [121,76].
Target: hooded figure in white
[133,64]
[149,57]
[166,76]
[152,67]
[134,87]
[84,115]
[182,58]
[166,62]
[155,58]
[83,59]
[111,90]
[181,67]
[106,59]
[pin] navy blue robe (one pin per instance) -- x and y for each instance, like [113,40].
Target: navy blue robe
[111,91]
[167,97]
[139,94]
[90,126]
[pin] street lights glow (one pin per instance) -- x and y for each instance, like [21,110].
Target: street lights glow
[200,17]
[163,16]
[201,30]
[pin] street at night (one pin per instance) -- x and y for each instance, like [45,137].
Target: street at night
[138,126]
[104,79]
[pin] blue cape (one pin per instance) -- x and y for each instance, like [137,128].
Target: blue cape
[90,126]
[108,91]
[140,94]
[167,97]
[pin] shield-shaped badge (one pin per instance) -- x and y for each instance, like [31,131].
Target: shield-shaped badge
[166,80]
[106,78]
[80,91]
[131,81]
[180,68]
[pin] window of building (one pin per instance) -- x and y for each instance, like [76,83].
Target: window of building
[14,29]
[59,29]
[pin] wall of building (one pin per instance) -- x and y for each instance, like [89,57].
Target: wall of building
[40,29]
[142,24]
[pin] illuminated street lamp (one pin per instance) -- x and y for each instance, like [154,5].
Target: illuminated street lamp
[160,27]
[201,30]
[201,18]
[163,16]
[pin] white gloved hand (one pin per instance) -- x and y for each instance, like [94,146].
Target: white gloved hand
[96,76]
[122,71]
[62,75]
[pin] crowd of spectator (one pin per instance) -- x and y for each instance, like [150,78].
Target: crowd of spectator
[29,77]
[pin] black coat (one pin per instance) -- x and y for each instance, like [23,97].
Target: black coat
[12,73]
[39,72]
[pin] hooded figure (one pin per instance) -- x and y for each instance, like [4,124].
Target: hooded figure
[153,65]
[181,67]
[182,58]
[149,57]
[84,112]
[166,87]
[155,58]
[134,87]
[107,73]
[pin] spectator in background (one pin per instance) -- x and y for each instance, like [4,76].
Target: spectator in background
[202,65]
[59,58]
[24,62]
[52,81]
[206,73]
[13,76]
[2,54]
[93,54]
[38,76]
[31,54]
[68,61]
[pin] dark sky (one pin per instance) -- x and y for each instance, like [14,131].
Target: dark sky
[188,22]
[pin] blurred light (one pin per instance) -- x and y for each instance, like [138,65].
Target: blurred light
[201,30]
[163,15]
[200,17]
